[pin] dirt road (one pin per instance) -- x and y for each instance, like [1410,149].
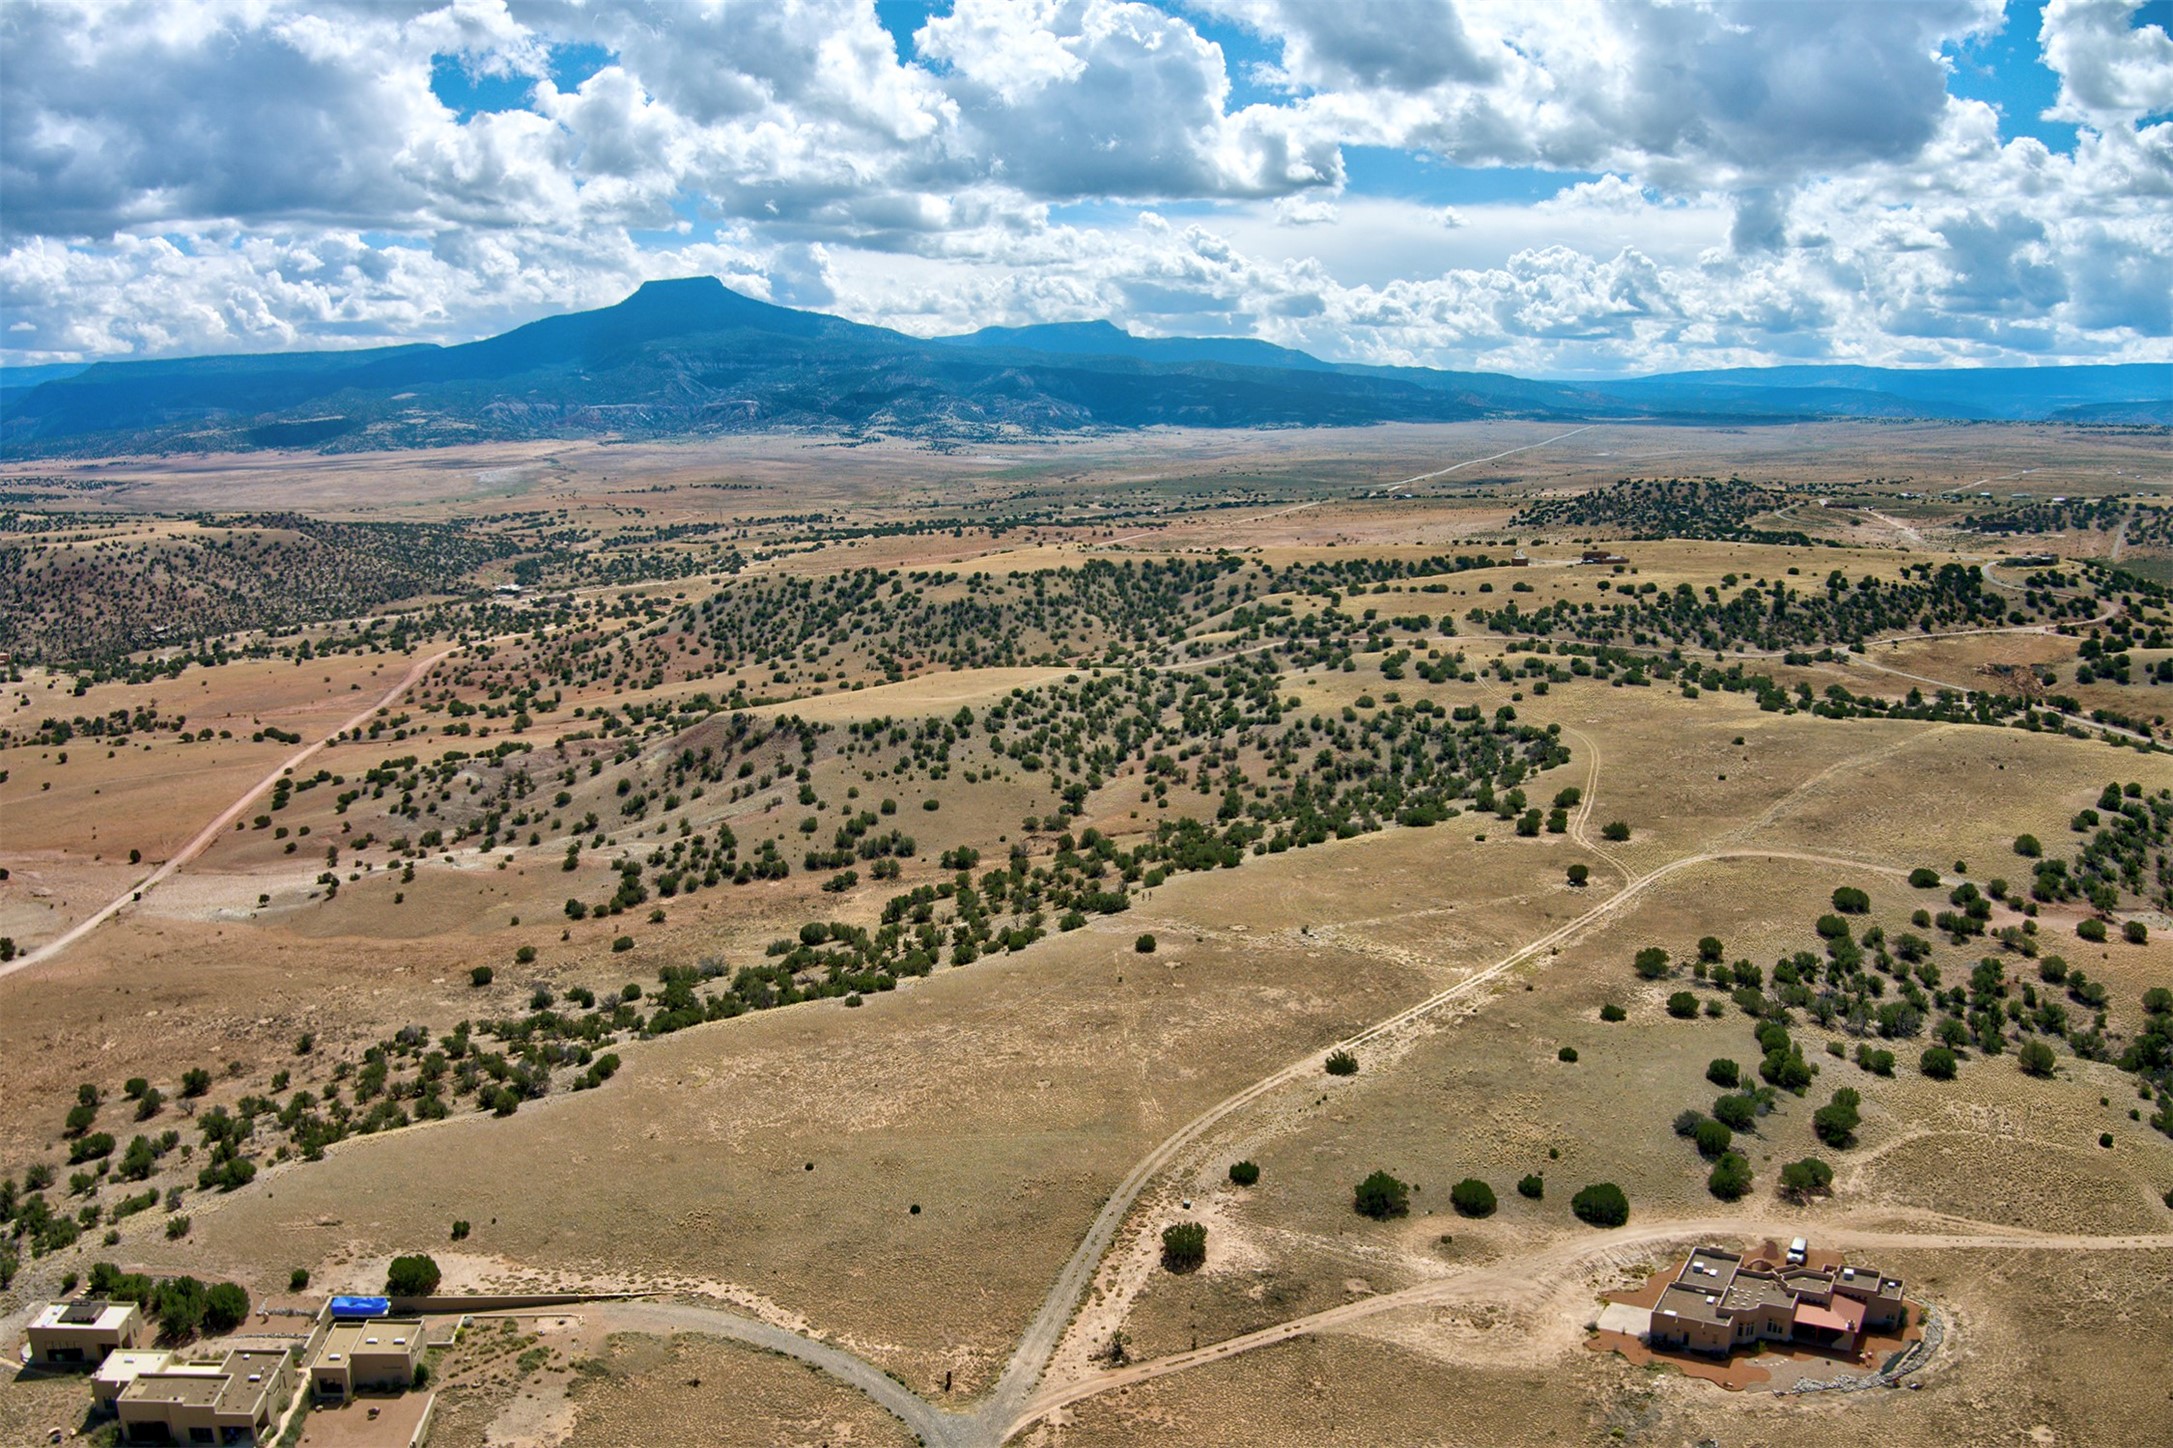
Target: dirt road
[201,840]
[1529,1279]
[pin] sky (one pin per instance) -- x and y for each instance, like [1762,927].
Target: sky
[1575,188]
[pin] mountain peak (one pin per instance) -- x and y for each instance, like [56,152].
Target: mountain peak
[679,289]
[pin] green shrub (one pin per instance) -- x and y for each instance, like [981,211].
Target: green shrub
[1938,1063]
[1713,1138]
[1341,1063]
[1184,1246]
[1244,1173]
[2092,930]
[1682,1005]
[1836,1121]
[1738,1112]
[1730,1177]
[1532,1186]
[1723,1072]
[1612,1012]
[1472,1198]
[1144,945]
[481,976]
[1381,1196]
[226,1307]
[413,1276]
[1806,1178]
[1567,1054]
[1602,1205]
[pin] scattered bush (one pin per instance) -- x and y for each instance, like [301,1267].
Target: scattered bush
[1244,1173]
[1730,1177]
[1924,879]
[1341,1063]
[1472,1198]
[2092,930]
[1568,1055]
[298,1280]
[1144,945]
[1651,963]
[1739,1112]
[1184,1246]
[1381,1196]
[1602,1205]
[414,1276]
[2135,932]
[1682,1005]
[1938,1063]
[1713,1138]
[1836,1122]
[1612,1012]
[226,1307]
[1851,901]
[1532,1186]
[1806,1178]
[1615,831]
[2036,1059]
[481,976]
[1723,1072]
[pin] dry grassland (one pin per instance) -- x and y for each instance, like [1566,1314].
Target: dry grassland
[905,1178]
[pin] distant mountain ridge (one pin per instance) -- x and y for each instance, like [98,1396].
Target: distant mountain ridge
[691,356]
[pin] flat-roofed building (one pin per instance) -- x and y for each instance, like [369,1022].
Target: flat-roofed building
[79,1334]
[122,1368]
[238,1399]
[378,1355]
[1718,1303]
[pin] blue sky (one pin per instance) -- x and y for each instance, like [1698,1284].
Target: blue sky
[1584,188]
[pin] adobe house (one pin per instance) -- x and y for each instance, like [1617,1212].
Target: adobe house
[80,1334]
[1719,1303]
[375,1355]
[238,1399]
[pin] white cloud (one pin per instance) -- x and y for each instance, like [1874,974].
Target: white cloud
[2112,72]
[1776,180]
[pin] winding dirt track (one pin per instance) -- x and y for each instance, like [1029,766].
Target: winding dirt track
[201,840]
[1526,1281]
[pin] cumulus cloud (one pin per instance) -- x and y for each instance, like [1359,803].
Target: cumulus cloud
[2112,72]
[1774,181]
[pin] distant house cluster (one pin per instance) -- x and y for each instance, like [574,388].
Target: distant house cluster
[1602,555]
[237,1390]
[1719,1303]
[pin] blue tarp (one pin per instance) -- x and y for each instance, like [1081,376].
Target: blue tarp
[361,1306]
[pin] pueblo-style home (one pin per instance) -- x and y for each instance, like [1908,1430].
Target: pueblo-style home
[1719,1303]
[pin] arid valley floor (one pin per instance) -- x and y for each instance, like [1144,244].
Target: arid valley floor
[852,898]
